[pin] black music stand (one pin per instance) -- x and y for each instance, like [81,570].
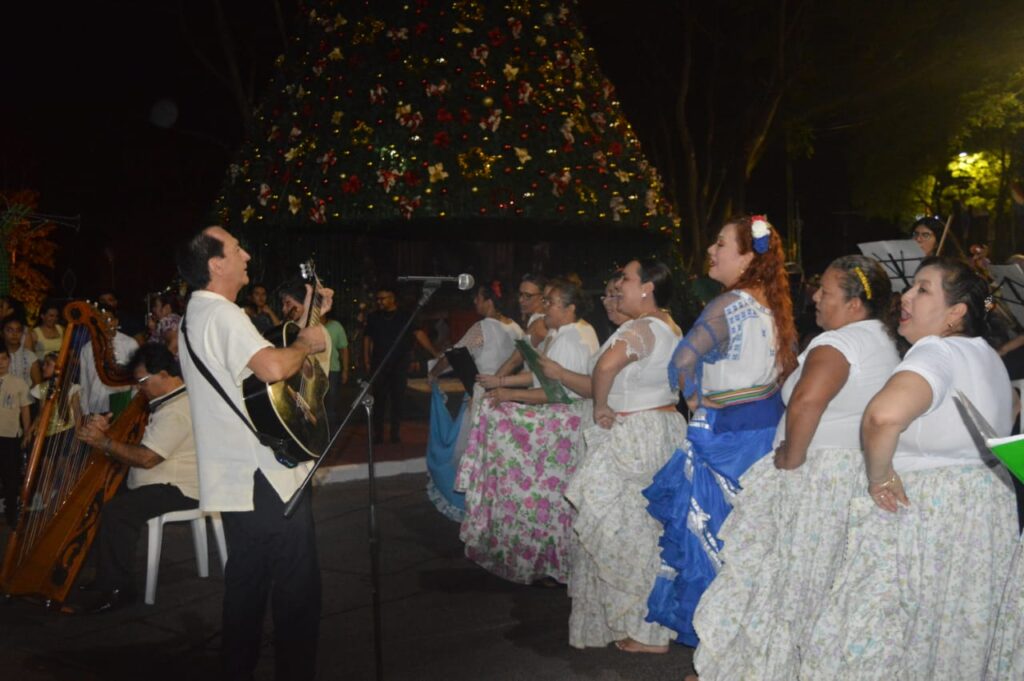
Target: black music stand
[899,258]
[365,399]
[464,366]
[1008,289]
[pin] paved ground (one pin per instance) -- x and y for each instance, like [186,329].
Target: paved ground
[443,617]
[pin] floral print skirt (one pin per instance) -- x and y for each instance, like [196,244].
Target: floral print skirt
[615,559]
[918,591]
[1006,658]
[782,545]
[514,472]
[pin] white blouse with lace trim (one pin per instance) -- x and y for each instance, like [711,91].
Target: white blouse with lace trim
[643,384]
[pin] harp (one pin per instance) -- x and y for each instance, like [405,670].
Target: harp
[66,482]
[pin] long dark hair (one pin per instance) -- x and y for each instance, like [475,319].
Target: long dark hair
[659,274]
[961,283]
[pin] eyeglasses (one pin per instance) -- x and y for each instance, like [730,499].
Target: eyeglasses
[524,294]
[923,235]
[550,301]
[145,378]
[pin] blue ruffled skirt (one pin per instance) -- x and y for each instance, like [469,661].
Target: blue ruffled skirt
[443,457]
[692,495]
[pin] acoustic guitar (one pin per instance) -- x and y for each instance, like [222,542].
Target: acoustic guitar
[293,409]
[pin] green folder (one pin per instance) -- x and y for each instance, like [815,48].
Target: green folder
[1009,450]
[553,389]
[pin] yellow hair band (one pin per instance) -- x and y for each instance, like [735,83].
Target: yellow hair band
[863,281]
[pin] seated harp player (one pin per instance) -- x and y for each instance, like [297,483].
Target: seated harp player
[162,475]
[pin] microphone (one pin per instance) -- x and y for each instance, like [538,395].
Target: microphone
[464,281]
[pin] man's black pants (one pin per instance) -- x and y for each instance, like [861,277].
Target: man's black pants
[270,555]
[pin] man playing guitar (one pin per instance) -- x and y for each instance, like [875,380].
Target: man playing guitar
[268,554]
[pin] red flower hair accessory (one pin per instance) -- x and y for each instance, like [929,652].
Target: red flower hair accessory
[496,288]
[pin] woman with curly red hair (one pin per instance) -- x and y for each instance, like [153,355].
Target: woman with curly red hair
[730,367]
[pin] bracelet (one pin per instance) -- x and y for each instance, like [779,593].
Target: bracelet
[887,483]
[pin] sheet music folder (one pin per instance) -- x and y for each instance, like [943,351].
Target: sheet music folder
[552,389]
[1009,289]
[899,259]
[464,366]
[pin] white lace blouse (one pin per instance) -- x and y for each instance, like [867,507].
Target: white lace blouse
[643,384]
[731,347]
[490,342]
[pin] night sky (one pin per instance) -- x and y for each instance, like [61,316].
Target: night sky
[77,123]
[76,127]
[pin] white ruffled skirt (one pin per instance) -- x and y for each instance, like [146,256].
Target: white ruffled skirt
[1006,658]
[783,543]
[615,555]
[917,594]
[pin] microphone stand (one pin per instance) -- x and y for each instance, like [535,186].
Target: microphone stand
[365,399]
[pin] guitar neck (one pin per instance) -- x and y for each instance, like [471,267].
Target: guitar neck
[316,301]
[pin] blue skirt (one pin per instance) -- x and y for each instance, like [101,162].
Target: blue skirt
[442,459]
[692,496]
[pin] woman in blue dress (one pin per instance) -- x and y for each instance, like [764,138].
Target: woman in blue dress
[730,366]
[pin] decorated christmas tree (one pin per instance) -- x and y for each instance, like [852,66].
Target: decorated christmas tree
[464,112]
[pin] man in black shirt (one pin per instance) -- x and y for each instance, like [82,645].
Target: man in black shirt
[382,331]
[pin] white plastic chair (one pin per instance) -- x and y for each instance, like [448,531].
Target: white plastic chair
[156,535]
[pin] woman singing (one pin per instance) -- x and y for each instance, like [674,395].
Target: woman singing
[784,539]
[928,548]
[730,365]
[616,557]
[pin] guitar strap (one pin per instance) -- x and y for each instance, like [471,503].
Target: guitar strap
[276,444]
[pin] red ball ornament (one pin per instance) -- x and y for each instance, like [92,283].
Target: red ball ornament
[560,208]
[483,210]
[400,83]
[524,136]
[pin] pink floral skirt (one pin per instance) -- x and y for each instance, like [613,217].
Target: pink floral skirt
[517,464]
